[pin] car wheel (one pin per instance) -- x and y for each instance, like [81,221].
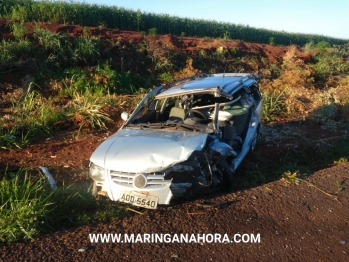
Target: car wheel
[228,175]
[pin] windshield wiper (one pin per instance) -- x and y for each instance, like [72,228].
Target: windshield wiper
[162,125]
[150,125]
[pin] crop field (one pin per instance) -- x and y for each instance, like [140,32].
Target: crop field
[68,71]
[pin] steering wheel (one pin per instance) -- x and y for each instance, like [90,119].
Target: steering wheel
[195,112]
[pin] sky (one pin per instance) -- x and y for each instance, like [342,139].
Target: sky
[323,17]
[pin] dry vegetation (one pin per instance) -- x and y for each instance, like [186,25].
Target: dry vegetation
[64,79]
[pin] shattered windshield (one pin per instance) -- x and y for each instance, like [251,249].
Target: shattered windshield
[185,112]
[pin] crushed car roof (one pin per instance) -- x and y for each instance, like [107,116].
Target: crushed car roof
[224,82]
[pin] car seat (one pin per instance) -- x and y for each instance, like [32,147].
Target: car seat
[177,113]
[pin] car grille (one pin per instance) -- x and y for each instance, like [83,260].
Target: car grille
[154,180]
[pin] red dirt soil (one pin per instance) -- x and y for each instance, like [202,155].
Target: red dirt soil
[305,222]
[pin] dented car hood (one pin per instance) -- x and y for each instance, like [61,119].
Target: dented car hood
[144,151]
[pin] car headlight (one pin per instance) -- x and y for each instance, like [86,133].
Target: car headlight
[96,172]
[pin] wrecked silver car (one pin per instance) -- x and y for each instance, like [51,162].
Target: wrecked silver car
[183,138]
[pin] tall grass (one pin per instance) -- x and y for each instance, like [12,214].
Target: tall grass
[12,51]
[24,208]
[12,139]
[36,116]
[87,111]
[274,104]
[29,207]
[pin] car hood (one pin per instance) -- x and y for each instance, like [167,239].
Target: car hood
[135,151]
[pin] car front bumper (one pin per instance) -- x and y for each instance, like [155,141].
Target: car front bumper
[121,185]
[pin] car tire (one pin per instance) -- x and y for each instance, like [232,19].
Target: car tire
[228,175]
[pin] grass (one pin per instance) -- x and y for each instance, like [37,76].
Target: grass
[87,111]
[35,115]
[24,208]
[12,139]
[74,79]
[274,104]
[292,177]
[291,164]
[13,51]
[29,207]
[18,30]
[341,160]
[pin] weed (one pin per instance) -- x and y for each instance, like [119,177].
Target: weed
[14,51]
[341,160]
[166,77]
[111,99]
[144,34]
[85,50]
[341,186]
[56,48]
[18,30]
[292,177]
[226,35]
[152,31]
[10,139]
[102,25]
[328,64]
[24,208]
[86,111]
[274,104]
[86,30]
[322,45]
[101,80]
[233,51]
[309,47]
[28,207]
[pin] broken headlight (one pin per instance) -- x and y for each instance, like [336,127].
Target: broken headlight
[96,172]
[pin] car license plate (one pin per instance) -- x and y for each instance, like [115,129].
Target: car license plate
[138,199]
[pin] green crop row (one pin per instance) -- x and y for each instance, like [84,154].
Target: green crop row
[125,19]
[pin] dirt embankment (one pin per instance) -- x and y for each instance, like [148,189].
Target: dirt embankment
[296,222]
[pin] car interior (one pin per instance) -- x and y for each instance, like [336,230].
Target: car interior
[197,110]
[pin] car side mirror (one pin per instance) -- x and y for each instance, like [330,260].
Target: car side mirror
[124,116]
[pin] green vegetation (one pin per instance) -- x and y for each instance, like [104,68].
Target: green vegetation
[152,31]
[86,74]
[274,104]
[124,19]
[29,207]
[8,139]
[271,40]
[37,116]
[82,84]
